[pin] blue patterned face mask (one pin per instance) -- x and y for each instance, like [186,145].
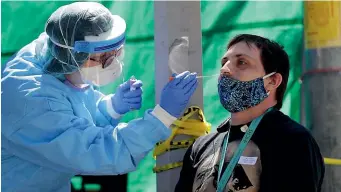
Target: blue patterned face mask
[236,96]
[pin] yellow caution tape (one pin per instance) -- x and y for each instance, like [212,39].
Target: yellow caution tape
[179,144]
[183,143]
[185,126]
[331,161]
[167,167]
[192,123]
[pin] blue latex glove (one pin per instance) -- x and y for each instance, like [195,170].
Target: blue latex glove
[126,99]
[177,93]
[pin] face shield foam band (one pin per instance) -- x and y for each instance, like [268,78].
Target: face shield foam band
[95,47]
[99,46]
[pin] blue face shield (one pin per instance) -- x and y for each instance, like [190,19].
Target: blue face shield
[236,96]
[95,47]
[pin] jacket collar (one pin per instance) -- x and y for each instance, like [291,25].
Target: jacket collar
[224,126]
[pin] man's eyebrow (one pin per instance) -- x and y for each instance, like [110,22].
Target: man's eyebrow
[226,57]
[242,54]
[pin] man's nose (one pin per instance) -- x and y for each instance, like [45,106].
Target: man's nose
[225,70]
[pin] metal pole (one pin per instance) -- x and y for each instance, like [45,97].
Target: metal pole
[176,19]
[322,83]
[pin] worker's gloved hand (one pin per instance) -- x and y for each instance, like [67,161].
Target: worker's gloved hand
[177,93]
[125,98]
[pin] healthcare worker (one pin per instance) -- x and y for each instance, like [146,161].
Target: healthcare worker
[55,125]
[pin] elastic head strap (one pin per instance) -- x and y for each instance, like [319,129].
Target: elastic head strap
[268,75]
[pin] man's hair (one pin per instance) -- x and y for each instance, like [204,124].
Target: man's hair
[273,57]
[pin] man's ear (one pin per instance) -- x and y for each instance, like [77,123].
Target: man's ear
[273,82]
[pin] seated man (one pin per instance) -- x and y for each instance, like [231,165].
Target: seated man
[280,155]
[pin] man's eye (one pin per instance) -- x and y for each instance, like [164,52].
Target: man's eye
[241,62]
